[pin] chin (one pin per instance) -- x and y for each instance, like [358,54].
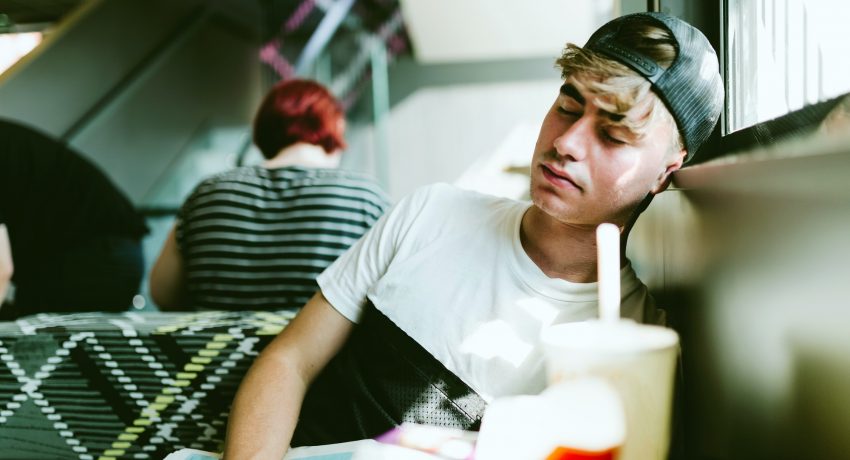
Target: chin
[550,203]
[538,194]
[541,192]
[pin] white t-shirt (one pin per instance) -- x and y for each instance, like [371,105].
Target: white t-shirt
[446,266]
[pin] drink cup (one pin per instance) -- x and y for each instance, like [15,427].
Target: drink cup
[639,361]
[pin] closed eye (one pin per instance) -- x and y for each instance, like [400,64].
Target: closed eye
[570,113]
[608,137]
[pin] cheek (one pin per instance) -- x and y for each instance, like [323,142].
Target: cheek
[539,148]
[549,131]
[614,174]
[623,181]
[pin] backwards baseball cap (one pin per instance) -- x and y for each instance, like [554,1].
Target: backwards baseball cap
[691,87]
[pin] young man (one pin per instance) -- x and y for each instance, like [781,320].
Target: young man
[438,308]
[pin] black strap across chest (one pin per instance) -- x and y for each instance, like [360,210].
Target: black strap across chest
[381,378]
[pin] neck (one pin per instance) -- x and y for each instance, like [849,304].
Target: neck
[303,154]
[561,250]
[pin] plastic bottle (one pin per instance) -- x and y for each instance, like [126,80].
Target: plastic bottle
[580,419]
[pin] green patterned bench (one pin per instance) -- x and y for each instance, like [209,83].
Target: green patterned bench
[124,386]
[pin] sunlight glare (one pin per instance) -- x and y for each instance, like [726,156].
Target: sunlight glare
[497,340]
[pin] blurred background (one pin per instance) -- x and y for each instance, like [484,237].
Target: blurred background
[160,94]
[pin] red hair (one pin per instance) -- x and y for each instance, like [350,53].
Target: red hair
[298,111]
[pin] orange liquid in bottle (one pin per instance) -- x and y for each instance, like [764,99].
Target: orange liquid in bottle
[566,453]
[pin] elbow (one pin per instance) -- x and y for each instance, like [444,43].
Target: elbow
[6,272]
[157,297]
[163,303]
[166,296]
[7,268]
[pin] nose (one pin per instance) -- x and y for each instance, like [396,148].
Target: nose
[574,141]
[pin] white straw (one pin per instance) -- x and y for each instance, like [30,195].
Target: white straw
[608,259]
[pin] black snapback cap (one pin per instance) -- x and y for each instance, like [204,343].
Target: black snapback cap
[691,87]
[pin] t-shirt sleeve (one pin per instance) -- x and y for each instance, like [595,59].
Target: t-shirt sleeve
[346,282]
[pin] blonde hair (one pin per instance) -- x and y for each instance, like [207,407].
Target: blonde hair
[618,88]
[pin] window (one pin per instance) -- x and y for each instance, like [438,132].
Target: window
[14,46]
[781,55]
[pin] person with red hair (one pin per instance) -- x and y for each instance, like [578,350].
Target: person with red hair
[256,237]
[299,111]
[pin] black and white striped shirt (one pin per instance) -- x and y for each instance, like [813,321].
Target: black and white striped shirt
[257,238]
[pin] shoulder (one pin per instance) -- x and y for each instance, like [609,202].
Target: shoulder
[442,194]
[440,191]
[340,183]
[244,179]
[355,179]
[234,175]
[30,150]
[446,203]
[16,131]
[341,176]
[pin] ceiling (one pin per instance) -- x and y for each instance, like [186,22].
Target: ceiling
[475,30]
[439,30]
[431,31]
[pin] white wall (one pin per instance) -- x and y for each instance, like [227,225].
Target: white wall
[438,133]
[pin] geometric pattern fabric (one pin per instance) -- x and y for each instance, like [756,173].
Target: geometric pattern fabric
[103,386]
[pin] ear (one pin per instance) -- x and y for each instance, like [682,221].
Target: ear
[673,163]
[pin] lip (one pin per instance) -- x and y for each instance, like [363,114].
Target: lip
[558,178]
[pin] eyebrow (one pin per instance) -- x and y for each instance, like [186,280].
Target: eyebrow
[569,90]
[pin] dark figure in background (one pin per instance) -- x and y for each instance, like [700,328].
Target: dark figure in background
[75,239]
[256,237]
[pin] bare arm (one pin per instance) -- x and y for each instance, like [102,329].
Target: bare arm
[167,278]
[265,410]
[6,266]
